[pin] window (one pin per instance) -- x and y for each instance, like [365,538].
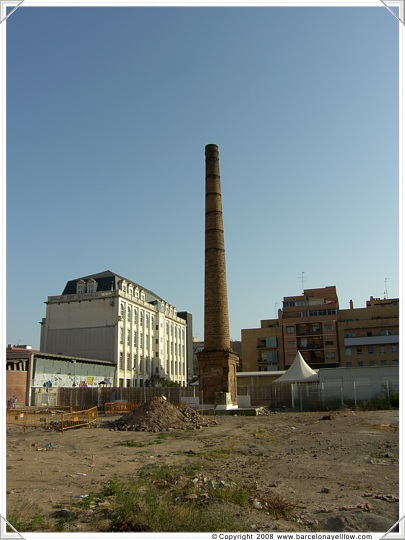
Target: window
[90,288]
[329,343]
[359,350]
[121,335]
[129,313]
[394,348]
[80,287]
[395,362]
[349,364]
[360,364]
[383,362]
[121,360]
[370,350]
[371,363]
[128,361]
[271,341]
[128,337]
[382,350]
[348,351]
[290,329]
[291,344]
[134,338]
[330,356]
[328,327]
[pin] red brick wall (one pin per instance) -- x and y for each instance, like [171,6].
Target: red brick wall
[16,383]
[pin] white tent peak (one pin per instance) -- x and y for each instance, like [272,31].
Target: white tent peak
[298,371]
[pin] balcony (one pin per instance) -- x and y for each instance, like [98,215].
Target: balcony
[310,346]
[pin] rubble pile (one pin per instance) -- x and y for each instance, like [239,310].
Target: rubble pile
[160,415]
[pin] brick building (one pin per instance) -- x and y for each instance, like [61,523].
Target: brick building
[326,335]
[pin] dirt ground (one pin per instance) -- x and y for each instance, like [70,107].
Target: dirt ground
[338,471]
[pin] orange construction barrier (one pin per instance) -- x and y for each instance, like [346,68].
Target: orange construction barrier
[79,418]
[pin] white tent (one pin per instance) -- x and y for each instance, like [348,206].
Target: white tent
[299,371]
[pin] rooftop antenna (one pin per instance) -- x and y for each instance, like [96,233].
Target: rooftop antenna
[302,278]
[275,308]
[386,289]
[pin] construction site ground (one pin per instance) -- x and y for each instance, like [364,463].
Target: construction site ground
[334,471]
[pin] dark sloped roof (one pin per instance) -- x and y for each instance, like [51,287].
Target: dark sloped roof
[106,281]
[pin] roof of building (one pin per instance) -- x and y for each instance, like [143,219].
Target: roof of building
[18,354]
[107,281]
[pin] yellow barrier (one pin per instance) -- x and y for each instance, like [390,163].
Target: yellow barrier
[120,407]
[79,418]
[34,418]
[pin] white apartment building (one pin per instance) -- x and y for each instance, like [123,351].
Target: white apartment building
[108,317]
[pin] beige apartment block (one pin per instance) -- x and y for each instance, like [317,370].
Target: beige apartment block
[369,336]
[262,348]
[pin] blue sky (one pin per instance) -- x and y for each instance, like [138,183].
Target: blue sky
[108,114]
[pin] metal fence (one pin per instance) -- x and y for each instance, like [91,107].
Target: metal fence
[318,395]
[327,394]
[99,397]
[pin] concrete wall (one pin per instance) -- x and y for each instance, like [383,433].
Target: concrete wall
[62,374]
[359,383]
[89,342]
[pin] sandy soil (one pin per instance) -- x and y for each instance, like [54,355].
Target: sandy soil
[339,472]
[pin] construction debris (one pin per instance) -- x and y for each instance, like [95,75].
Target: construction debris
[160,415]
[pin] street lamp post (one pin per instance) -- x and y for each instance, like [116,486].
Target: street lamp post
[74,372]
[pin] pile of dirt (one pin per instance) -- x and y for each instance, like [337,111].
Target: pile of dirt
[160,415]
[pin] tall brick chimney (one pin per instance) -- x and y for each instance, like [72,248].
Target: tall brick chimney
[217,362]
[216,318]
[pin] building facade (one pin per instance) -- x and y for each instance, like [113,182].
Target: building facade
[325,335]
[370,336]
[108,317]
[309,325]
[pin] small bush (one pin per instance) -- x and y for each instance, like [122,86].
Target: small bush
[36,522]
[380,402]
